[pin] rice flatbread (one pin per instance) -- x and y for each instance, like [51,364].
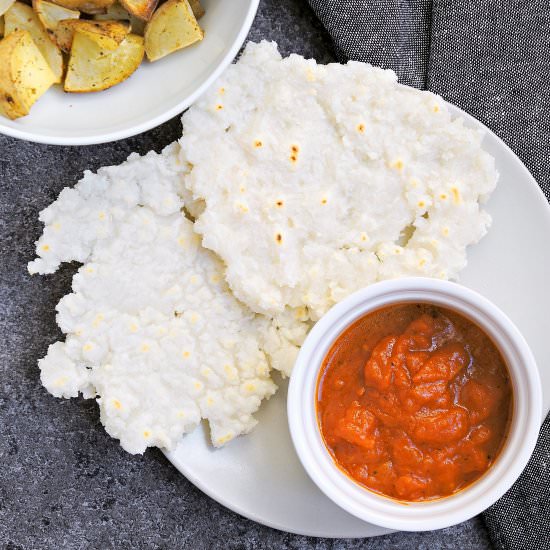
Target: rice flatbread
[313,181]
[152,330]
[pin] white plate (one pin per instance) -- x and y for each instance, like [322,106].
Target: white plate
[259,475]
[155,93]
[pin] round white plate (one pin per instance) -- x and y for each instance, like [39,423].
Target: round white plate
[259,475]
[155,93]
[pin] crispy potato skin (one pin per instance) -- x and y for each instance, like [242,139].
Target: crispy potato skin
[63,34]
[112,33]
[24,74]
[142,9]
[93,68]
[172,27]
[86,6]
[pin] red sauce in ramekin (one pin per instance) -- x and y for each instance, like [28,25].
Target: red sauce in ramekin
[414,402]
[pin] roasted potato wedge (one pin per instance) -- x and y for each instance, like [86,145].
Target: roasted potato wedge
[93,68]
[51,14]
[87,6]
[172,27]
[5,5]
[114,12]
[1,26]
[197,8]
[142,9]
[22,17]
[63,34]
[117,12]
[109,33]
[24,74]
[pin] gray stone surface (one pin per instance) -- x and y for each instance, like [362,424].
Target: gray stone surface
[63,482]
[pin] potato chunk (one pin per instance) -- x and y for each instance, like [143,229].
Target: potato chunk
[143,9]
[172,27]
[51,14]
[109,33]
[5,5]
[87,6]
[22,17]
[114,12]
[92,67]
[24,74]
[117,13]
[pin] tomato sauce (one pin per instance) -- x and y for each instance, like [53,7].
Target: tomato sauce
[414,402]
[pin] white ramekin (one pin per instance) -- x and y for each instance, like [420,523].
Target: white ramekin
[447,511]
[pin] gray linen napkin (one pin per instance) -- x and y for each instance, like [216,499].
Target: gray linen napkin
[492,59]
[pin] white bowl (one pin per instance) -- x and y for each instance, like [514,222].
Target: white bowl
[367,505]
[155,93]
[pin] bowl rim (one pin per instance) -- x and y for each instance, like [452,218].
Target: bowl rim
[133,130]
[380,510]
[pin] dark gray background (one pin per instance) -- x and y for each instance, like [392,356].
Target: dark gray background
[63,482]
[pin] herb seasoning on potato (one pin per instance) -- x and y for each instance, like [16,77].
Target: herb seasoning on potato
[24,74]
[106,42]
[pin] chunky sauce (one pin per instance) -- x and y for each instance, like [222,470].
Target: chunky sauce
[414,402]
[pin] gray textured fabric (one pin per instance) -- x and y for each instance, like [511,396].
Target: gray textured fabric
[393,34]
[520,520]
[492,59]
